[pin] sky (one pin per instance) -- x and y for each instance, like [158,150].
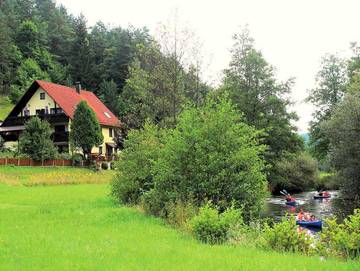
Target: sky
[293,35]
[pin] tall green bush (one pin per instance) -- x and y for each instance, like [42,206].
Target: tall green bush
[285,236]
[134,176]
[212,227]
[341,239]
[210,155]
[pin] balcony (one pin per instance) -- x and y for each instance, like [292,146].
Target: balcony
[51,118]
[58,137]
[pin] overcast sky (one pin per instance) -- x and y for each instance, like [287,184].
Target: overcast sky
[293,35]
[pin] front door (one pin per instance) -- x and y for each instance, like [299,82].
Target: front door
[109,150]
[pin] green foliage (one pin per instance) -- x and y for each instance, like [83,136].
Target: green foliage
[2,141]
[76,159]
[342,239]
[254,90]
[27,72]
[5,107]
[180,213]
[80,59]
[210,155]
[327,181]
[285,236]
[28,40]
[134,177]
[296,173]
[108,93]
[157,88]
[63,155]
[209,226]
[331,83]
[85,129]
[35,141]
[343,132]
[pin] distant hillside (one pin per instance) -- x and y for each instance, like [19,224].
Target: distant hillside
[5,107]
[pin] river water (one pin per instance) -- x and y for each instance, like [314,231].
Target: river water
[275,207]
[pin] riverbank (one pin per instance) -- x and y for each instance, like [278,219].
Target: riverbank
[78,227]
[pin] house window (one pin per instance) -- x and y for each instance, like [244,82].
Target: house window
[110,132]
[42,96]
[100,149]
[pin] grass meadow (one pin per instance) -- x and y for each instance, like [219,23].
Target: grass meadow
[32,176]
[79,227]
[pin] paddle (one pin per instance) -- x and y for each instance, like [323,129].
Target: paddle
[282,193]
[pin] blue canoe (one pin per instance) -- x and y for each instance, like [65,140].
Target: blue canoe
[291,203]
[314,224]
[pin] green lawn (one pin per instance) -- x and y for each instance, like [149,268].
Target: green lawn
[78,227]
[5,107]
[31,176]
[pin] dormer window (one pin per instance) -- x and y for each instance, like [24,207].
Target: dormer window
[107,115]
[42,96]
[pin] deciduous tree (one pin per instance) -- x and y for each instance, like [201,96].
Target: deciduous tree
[36,141]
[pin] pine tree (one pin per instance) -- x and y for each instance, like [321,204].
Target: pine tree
[85,129]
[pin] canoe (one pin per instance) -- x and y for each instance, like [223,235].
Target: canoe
[321,197]
[291,203]
[314,224]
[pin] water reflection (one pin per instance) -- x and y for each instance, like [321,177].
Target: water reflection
[275,207]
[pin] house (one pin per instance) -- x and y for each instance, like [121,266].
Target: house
[56,104]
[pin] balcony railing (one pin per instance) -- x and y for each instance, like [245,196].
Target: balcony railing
[60,137]
[51,118]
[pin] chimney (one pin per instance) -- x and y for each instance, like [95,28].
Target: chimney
[78,87]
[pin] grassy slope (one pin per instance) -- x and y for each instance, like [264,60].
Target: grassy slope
[5,107]
[78,227]
[30,176]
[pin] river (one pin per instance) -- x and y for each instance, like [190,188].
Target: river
[275,206]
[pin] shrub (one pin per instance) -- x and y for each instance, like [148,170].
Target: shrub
[112,165]
[211,227]
[2,143]
[285,236]
[134,176]
[76,159]
[208,227]
[211,155]
[342,240]
[180,213]
[104,165]
[296,173]
[64,155]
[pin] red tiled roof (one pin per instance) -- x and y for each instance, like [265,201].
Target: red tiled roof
[67,98]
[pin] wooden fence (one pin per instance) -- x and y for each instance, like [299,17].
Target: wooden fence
[31,162]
